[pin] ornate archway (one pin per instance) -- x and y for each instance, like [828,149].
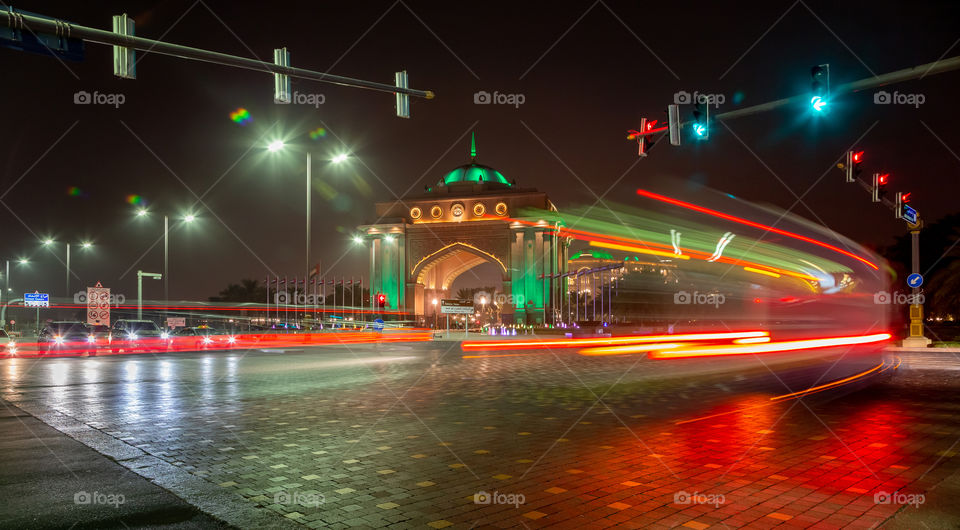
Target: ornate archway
[471,216]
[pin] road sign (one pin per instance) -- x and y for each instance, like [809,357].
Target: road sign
[909,214]
[378,324]
[98,305]
[176,322]
[450,306]
[915,280]
[36,299]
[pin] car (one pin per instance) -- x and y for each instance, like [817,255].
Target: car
[204,338]
[61,333]
[7,344]
[99,335]
[138,334]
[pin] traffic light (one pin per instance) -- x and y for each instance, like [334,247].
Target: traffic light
[819,87]
[701,120]
[900,204]
[381,300]
[645,140]
[879,188]
[673,122]
[853,165]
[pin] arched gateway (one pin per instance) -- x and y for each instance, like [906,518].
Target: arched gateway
[420,244]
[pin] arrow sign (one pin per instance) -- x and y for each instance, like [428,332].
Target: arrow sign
[915,280]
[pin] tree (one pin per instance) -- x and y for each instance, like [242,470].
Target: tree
[246,291]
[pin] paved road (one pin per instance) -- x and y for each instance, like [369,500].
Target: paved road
[413,435]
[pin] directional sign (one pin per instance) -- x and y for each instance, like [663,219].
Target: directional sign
[909,214]
[98,305]
[36,299]
[915,280]
[449,306]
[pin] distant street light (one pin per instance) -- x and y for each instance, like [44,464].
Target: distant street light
[279,145]
[188,218]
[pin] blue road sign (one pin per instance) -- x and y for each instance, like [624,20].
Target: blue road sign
[36,300]
[915,280]
[378,324]
[909,214]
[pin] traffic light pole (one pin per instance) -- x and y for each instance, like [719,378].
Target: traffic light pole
[21,21]
[916,337]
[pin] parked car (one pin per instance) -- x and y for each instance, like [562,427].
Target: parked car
[64,332]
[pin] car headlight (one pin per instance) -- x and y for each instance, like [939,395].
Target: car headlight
[164,335]
[207,340]
[132,336]
[58,339]
[231,339]
[91,338]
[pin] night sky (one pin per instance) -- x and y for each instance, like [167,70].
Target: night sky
[587,71]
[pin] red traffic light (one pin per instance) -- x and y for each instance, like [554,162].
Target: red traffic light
[650,125]
[905,198]
[882,179]
[381,300]
[858,157]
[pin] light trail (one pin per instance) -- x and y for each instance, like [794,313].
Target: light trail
[606,341]
[770,347]
[754,224]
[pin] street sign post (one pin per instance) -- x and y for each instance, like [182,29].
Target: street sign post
[98,305]
[36,299]
[453,306]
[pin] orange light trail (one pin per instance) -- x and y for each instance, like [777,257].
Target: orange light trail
[606,341]
[770,347]
[754,224]
[760,271]
[794,395]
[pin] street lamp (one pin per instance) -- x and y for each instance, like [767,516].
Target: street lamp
[7,288]
[86,245]
[188,218]
[279,145]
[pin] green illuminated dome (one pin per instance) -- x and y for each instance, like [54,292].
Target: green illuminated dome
[473,173]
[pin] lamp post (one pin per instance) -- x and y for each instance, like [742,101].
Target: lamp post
[186,219]
[280,145]
[7,289]
[140,276]
[85,245]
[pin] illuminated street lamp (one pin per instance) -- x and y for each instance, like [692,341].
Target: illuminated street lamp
[279,145]
[188,218]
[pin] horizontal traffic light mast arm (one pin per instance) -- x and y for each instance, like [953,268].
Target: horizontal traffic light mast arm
[23,21]
[916,72]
